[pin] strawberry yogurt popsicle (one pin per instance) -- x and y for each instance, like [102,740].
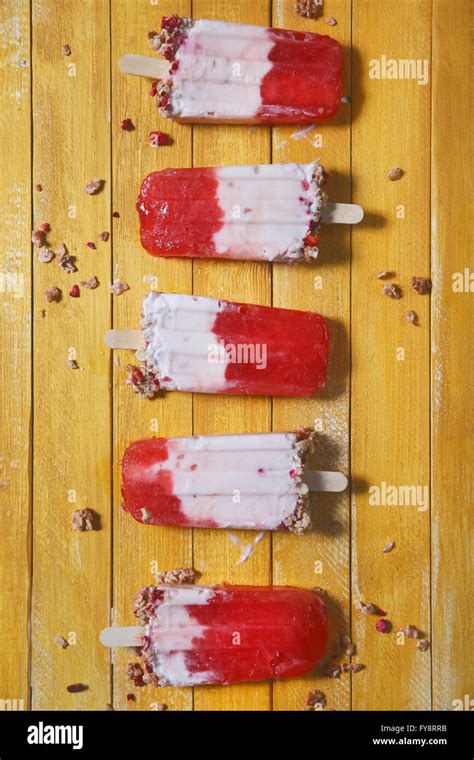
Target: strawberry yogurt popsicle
[258,213]
[220,71]
[220,481]
[225,634]
[207,345]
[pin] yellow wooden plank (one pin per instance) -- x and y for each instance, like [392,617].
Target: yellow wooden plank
[15,342]
[140,550]
[214,553]
[390,356]
[320,558]
[452,363]
[71,570]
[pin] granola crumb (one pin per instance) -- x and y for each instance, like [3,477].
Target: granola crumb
[177,575]
[346,99]
[391,290]
[330,21]
[39,187]
[356,667]
[109,708]
[72,364]
[308,8]
[348,647]
[84,519]
[52,295]
[410,631]
[134,670]
[127,125]
[316,698]
[395,173]
[104,236]
[94,186]
[73,688]
[422,285]
[389,547]
[75,292]
[383,626]
[367,609]
[142,380]
[118,287]
[61,642]
[333,671]
[383,274]
[411,317]
[161,707]
[65,260]
[65,49]
[45,255]
[423,645]
[91,283]
[38,238]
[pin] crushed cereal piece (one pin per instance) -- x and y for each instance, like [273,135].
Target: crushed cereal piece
[411,316]
[104,236]
[61,642]
[395,173]
[383,274]
[127,125]
[367,609]
[52,294]
[94,186]
[391,290]
[73,688]
[143,382]
[330,21]
[72,364]
[91,283]
[157,138]
[109,708]
[45,255]
[75,292]
[308,8]
[382,626]
[84,519]
[422,285]
[389,547]
[410,631]
[38,238]
[91,245]
[356,667]
[177,575]
[423,645]
[118,287]
[316,698]
[65,49]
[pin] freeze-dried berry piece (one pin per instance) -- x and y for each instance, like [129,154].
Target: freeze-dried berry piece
[84,519]
[422,285]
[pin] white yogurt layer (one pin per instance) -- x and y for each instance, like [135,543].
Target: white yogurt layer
[267,211]
[178,330]
[173,631]
[221,68]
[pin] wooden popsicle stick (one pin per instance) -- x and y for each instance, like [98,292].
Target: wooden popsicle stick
[144,66]
[342,213]
[334,482]
[125,636]
[125,339]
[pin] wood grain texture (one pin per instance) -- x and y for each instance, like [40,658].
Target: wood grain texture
[390,395]
[215,555]
[72,421]
[321,557]
[452,362]
[15,348]
[141,550]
